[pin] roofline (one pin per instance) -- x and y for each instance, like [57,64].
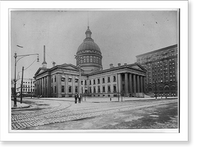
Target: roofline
[53,68]
[157,50]
[113,69]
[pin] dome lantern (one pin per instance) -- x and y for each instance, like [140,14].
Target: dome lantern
[88,33]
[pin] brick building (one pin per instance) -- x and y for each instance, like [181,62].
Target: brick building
[162,70]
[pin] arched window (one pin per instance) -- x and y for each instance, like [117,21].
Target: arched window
[70,89]
[114,78]
[114,88]
[108,79]
[103,80]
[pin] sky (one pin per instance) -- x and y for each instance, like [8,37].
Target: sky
[121,35]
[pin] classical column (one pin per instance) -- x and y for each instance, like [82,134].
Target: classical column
[143,84]
[42,87]
[142,89]
[126,84]
[43,94]
[49,86]
[38,84]
[119,83]
[66,86]
[131,84]
[138,84]
[73,85]
[36,88]
[44,83]
[134,84]
[58,79]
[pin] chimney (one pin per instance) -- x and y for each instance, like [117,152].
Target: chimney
[119,64]
[44,64]
[111,65]
[54,63]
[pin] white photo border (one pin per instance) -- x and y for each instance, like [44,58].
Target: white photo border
[94,136]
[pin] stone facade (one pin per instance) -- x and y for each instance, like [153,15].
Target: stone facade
[162,71]
[63,81]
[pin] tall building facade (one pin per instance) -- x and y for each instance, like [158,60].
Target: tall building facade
[162,71]
[88,77]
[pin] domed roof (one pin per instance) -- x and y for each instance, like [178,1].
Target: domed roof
[88,43]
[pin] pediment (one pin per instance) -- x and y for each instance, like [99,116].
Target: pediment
[40,70]
[69,66]
[138,67]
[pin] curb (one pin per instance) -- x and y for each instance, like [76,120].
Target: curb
[20,107]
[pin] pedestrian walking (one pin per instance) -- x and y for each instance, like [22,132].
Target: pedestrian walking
[79,98]
[75,98]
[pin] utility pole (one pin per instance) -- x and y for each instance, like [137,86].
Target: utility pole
[22,84]
[15,80]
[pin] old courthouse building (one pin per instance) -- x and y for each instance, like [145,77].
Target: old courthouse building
[88,76]
[162,71]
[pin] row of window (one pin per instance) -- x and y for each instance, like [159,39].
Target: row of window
[160,63]
[90,89]
[89,59]
[103,89]
[156,56]
[99,80]
[28,90]
[91,81]
[27,82]
[162,80]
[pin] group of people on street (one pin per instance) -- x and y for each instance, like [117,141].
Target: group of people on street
[77,98]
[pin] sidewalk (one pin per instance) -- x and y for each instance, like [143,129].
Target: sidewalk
[98,99]
[95,99]
[19,105]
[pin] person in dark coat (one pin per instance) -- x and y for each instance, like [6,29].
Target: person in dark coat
[75,98]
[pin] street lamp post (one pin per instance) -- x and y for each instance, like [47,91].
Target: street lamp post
[22,84]
[79,69]
[16,60]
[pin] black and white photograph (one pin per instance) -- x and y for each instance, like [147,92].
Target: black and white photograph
[97,73]
[93,69]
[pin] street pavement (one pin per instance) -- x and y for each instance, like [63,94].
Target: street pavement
[46,111]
